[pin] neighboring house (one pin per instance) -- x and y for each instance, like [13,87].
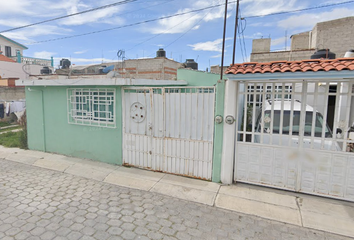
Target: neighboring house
[280,137]
[10,47]
[158,68]
[14,65]
[161,125]
[335,35]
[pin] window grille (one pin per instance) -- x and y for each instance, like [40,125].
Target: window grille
[91,106]
[255,93]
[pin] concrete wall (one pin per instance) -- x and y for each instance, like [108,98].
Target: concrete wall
[282,56]
[12,93]
[151,68]
[17,70]
[261,45]
[216,69]
[337,35]
[300,41]
[147,68]
[49,130]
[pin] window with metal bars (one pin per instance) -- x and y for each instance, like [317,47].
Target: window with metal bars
[91,106]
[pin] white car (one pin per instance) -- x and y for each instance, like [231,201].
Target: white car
[275,135]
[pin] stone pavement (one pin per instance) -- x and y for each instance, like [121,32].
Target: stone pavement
[37,203]
[301,210]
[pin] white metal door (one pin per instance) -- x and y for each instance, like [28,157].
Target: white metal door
[284,141]
[169,129]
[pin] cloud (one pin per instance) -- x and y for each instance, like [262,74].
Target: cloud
[176,24]
[185,22]
[13,22]
[309,20]
[278,41]
[264,7]
[103,15]
[44,54]
[80,52]
[27,34]
[10,7]
[216,56]
[80,61]
[213,46]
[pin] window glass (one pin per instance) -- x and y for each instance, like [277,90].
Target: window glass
[91,107]
[268,121]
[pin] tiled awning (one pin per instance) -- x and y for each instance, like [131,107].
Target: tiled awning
[311,65]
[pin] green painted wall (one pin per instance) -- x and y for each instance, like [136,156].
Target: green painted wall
[58,136]
[51,132]
[199,78]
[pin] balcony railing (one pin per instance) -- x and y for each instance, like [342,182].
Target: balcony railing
[31,60]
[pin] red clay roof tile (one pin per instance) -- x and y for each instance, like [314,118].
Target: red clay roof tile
[5,59]
[307,65]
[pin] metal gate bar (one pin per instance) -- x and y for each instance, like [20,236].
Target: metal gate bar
[176,135]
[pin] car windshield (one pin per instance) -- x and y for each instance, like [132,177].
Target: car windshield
[296,123]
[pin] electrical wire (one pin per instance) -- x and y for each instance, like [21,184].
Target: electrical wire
[70,15]
[184,13]
[303,9]
[243,28]
[156,35]
[132,24]
[186,31]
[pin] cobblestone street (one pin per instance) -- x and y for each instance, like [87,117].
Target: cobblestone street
[37,203]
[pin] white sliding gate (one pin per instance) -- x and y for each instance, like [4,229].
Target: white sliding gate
[169,129]
[297,135]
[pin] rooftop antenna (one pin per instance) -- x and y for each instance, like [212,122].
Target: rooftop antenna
[286,39]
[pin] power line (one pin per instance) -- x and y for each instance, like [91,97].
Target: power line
[130,25]
[156,35]
[300,10]
[185,31]
[70,15]
[184,13]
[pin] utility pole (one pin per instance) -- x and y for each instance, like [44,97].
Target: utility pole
[236,26]
[223,41]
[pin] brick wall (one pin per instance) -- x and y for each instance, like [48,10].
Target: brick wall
[151,68]
[337,35]
[11,93]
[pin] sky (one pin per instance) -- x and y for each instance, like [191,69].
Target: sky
[196,35]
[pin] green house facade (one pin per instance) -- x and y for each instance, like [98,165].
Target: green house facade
[87,118]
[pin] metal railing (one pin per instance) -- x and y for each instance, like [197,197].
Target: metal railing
[300,114]
[33,61]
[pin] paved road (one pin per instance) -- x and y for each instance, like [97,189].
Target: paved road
[37,203]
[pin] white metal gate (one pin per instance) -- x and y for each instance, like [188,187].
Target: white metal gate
[297,136]
[169,129]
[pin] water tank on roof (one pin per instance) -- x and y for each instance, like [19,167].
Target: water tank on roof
[65,63]
[349,53]
[46,70]
[161,53]
[323,53]
[190,63]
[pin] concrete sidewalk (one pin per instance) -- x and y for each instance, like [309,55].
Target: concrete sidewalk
[318,213]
